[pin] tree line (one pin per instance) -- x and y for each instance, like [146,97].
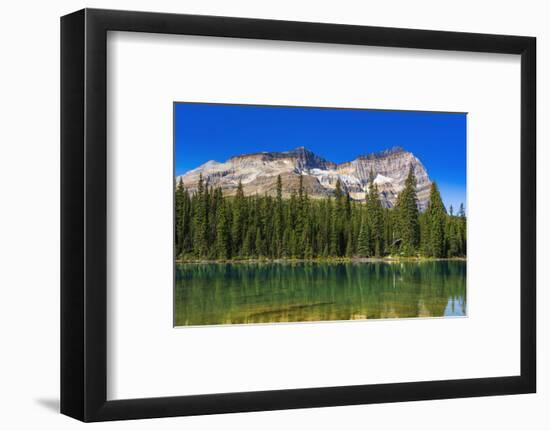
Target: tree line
[210,226]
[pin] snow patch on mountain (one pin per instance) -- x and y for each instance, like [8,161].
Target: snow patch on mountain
[381,179]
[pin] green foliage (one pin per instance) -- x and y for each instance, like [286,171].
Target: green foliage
[200,219]
[183,219]
[239,219]
[211,226]
[408,226]
[436,221]
[223,247]
[363,242]
[375,217]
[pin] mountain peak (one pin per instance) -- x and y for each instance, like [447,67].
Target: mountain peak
[307,159]
[300,151]
[384,153]
[258,173]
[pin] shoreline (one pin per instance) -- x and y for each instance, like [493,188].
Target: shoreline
[387,259]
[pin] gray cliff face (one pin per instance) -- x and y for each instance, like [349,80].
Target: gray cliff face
[258,174]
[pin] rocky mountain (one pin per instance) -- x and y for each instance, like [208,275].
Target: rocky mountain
[258,174]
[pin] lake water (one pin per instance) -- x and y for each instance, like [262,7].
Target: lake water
[213,294]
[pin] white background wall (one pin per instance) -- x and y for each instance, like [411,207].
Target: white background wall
[29,214]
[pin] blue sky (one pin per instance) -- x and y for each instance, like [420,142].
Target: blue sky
[217,132]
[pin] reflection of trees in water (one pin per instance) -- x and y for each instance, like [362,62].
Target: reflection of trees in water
[240,293]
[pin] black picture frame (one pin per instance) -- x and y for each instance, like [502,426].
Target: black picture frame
[84,214]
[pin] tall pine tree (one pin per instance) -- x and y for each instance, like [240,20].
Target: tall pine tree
[436,216]
[239,218]
[376,217]
[223,246]
[363,242]
[407,216]
[279,219]
[201,219]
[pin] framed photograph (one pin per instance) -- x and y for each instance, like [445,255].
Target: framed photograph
[262,215]
[276,233]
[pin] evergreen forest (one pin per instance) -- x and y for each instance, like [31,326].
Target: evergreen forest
[210,226]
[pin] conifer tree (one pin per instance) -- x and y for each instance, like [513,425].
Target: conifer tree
[248,243]
[334,246]
[292,210]
[407,209]
[308,253]
[453,241]
[424,224]
[363,242]
[223,249]
[287,246]
[259,243]
[376,217]
[279,219]
[186,222]
[388,230]
[338,193]
[237,229]
[179,215]
[436,215]
[338,220]
[349,246]
[301,216]
[347,207]
[293,244]
[462,229]
[200,219]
